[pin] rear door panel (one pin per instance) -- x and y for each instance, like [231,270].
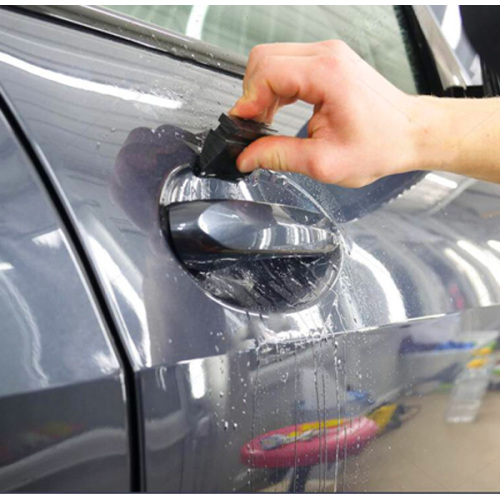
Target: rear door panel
[108,119]
[63,409]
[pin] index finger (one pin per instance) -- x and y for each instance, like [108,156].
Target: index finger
[259,52]
[289,78]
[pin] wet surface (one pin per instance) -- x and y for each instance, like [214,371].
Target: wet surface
[268,273]
[416,296]
[63,413]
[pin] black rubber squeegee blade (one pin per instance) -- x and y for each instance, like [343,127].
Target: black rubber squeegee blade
[223,145]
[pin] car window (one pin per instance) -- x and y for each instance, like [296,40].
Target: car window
[374,32]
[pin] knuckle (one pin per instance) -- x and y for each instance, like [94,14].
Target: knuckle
[326,61]
[327,44]
[263,67]
[278,159]
[254,54]
[258,52]
[317,167]
[265,61]
[336,46]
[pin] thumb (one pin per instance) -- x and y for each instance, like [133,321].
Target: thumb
[283,154]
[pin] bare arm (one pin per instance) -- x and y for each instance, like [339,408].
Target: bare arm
[363,127]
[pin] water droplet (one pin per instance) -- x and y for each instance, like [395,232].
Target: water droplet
[98,145]
[221,394]
[235,425]
[226,425]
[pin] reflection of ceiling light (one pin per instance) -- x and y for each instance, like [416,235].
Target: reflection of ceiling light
[451,25]
[494,244]
[99,88]
[482,293]
[51,239]
[443,181]
[482,256]
[394,300]
[197,378]
[116,281]
[196,20]
[5,266]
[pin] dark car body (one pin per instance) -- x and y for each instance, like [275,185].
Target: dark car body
[123,371]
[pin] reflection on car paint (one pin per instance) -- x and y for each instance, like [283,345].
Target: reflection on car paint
[259,285]
[51,402]
[384,343]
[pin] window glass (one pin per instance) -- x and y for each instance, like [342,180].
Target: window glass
[374,32]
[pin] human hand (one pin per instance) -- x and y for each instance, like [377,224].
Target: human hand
[362,128]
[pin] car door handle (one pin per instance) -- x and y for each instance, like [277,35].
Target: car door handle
[213,233]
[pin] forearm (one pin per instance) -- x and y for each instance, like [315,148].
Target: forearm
[458,135]
[363,127]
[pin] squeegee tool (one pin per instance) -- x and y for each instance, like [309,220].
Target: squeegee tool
[223,145]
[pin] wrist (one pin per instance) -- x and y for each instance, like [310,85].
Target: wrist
[435,134]
[457,135]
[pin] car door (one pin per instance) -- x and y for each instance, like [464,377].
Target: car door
[331,373]
[63,406]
